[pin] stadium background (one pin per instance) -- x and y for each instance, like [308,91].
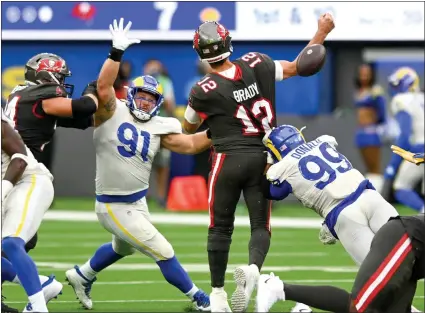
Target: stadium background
[77,31]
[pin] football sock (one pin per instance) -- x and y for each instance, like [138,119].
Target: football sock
[409,198]
[23,265]
[102,258]
[258,247]
[327,298]
[175,274]
[7,271]
[218,246]
[192,292]
[38,302]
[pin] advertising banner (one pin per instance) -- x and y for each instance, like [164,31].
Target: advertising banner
[363,21]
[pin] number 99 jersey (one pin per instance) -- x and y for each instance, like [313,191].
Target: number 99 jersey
[125,149]
[319,175]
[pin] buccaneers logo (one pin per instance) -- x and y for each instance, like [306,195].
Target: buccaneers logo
[49,65]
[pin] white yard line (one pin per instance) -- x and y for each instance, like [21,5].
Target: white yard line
[204,268]
[127,301]
[185,219]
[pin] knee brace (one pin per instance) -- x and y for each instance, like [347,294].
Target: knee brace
[31,243]
[161,246]
[122,248]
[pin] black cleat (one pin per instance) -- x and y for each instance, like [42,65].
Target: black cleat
[6,309]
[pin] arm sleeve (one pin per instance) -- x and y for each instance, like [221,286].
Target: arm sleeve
[278,71]
[191,115]
[78,123]
[275,192]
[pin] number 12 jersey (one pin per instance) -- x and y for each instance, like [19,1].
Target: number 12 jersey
[238,110]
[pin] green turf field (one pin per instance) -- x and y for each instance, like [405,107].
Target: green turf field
[136,285]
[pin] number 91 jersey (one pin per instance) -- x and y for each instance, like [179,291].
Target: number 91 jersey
[125,149]
[319,175]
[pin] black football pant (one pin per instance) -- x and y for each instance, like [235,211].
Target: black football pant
[230,175]
[385,283]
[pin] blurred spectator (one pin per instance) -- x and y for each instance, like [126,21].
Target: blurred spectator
[161,162]
[123,79]
[202,164]
[371,118]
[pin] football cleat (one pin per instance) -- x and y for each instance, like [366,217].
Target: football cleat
[270,290]
[81,285]
[301,308]
[201,301]
[51,289]
[246,278]
[219,302]
[7,309]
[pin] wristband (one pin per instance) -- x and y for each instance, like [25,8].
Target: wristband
[208,133]
[115,54]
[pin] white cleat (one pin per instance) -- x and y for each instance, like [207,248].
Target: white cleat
[81,285]
[51,288]
[301,308]
[246,278]
[270,290]
[218,301]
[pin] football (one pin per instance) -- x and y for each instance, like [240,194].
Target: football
[311,60]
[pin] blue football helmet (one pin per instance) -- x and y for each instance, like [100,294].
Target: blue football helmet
[147,84]
[281,140]
[404,79]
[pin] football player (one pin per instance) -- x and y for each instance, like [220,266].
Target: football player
[127,136]
[26,194]
[237,101]
[407,106]
[40,105]
[386,281]
[324,180]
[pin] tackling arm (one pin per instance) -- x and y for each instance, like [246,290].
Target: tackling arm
[13,146]
[187,144]
[326,24]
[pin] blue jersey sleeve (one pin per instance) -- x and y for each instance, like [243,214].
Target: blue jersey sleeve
[405,123]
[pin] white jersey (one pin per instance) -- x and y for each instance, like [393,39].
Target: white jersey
[33,167]
[125,149]
[320,176]
[413,104]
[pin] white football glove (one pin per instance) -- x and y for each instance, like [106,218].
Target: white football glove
[120,40]
[325,236]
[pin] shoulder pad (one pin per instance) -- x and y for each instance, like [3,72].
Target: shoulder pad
[166,125]
[377,91]
[329,139]
[400,102]
[196,96]
[47,91]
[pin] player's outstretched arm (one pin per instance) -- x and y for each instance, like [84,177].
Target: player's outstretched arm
[14,147]
[108,73]
[186,144]
[325,26]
